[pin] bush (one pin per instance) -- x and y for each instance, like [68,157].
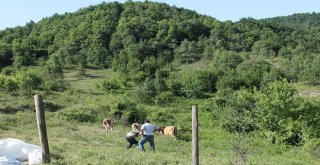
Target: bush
[159,82]
[240,114]
[9,70]
[9,84]
[185,133]
[250,73]
[162,117]
[164,98]
[127,112]
[80,70]
[146,92]
[192,86]
[27,81]
[52,69]
[281,112]
[110,85]
[209,79]
[132,115]
[139,77]
[226,59]
[141,95]
[229,80]
[310,117]
[175,87]
[2,81]
[81,114]
[53,85]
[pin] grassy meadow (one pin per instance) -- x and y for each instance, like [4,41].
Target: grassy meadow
[74,142]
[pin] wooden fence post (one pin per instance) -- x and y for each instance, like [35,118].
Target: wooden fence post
[195,141]
[42,128]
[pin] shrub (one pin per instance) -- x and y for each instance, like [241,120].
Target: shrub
[27,81]
[146,92]
[188,52]
[139,77]
[19,61]
[192,86]
[226,59]
[209,79]
[282,113]
[250,73]
[164,98]
[160,83]
[162,117]
[52,68]
[240,114]
[141,95]
[185,133]
[175,87]
[53,85]
[9,84]
[310,117]
[229,80]
[110,85]
[2,80]
[80,70]
[127,112]
[132,115]
[272,76]
[9,70]
[81,114]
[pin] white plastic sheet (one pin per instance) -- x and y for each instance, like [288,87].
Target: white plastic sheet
[35,157]
[17,149]
[5,160]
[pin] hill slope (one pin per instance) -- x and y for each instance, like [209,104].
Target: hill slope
[141,60]
[74,142]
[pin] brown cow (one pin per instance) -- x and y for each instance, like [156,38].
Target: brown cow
[108,124]
[136,127]
[168,130]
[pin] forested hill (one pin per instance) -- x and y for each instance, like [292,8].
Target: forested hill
[301,20]
[142,30]
[94,35]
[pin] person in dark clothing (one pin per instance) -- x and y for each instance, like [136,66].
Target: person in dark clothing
[131,138]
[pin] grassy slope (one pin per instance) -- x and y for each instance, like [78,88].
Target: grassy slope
[88,143]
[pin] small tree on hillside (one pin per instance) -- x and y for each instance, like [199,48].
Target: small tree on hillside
[279,110]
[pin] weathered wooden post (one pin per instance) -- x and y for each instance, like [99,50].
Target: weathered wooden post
[42,128]
[195,141]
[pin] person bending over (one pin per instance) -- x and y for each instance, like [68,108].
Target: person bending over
[131,138]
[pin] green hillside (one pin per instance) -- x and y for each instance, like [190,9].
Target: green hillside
[301,20]
[256,83]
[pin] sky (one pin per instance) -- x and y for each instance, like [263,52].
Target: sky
[19,12]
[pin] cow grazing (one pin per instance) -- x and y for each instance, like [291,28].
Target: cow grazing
[108,124]
[136,127]
[168,130]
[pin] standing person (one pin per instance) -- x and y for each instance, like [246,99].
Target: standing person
[147,130]
[131,138]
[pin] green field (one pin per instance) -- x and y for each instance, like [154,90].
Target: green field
[74,142]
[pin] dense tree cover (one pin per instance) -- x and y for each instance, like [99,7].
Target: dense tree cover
[98,34]
[148,43]
[301,20]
